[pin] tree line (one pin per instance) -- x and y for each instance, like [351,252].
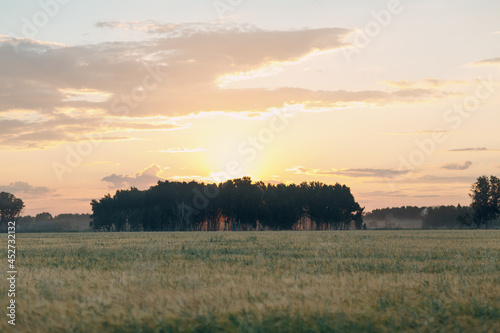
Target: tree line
[241,204]
[404,212]
[45,222]
[483,212]
[237,204]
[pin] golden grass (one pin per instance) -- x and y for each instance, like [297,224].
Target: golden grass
[376,281]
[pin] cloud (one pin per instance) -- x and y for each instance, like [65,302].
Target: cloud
[432,179]
[472,149]
[69,92]
[398,194]
[182,150]
[23,187]
[437,131]
[191,63]
[272,181]
[142,179]
[174,29]
[352,173]
[426,83]
[53,129]
[183,67]
[458,166]
[492,61]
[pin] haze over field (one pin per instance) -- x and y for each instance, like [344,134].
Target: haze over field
[398,100]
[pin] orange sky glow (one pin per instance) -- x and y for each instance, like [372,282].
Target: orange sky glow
[395,99]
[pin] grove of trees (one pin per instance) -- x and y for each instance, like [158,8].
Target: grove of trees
[238,204]
[241,204]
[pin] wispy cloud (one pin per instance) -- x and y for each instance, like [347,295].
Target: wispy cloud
[99,163]
[397,194]
[50,130]
[182,150]
[353,173]
[432,180]
[458,166]
[175,29]
[473,149]
[419,132]
[426,83]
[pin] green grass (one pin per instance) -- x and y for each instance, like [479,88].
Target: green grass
[354,281]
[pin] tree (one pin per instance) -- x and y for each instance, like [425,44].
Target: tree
[485,194]
[10,207]
[42,217]
[445,217]
[495,195]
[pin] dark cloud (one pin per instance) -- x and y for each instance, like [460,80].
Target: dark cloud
[471,149]
[492,61]
[458,166]
[23,187]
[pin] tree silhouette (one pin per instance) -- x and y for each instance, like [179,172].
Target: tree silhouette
[42,217]
[10,207]
[485,194]
[235,205]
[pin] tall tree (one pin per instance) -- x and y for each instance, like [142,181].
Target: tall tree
[10,207]
[485,194]
[495,195]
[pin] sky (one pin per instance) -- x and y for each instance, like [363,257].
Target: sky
[399,100]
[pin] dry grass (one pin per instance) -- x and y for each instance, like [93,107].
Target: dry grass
[423,281]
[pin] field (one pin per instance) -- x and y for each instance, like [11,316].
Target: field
[349,281]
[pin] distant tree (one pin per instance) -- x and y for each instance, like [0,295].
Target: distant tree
[404,212]
[26,219]
[445,217]
[10,207]
[485,194]
[43,217]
